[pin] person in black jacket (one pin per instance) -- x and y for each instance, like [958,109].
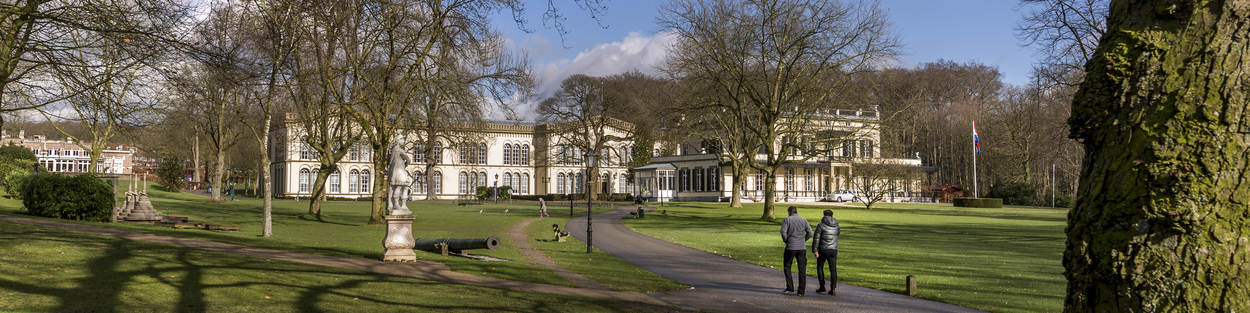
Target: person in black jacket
[825,248]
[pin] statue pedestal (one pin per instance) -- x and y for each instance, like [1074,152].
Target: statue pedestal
[398,242]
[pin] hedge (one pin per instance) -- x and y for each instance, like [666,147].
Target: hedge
[82,197]
[979,202]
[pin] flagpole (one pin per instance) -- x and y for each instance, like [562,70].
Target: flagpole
[975,192]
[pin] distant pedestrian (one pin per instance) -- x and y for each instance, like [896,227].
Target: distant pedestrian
[794,232]
[230,191]
[825,248]
[542,208]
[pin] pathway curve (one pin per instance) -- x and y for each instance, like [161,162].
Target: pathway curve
[419,270]
[520,237]
[727,285]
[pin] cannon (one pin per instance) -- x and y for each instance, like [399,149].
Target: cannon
[456,244]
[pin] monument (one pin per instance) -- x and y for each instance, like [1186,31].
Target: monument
[398,241]
[137,207]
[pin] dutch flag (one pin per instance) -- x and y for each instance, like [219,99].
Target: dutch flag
[976,140]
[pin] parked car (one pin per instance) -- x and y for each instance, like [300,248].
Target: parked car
[845,195]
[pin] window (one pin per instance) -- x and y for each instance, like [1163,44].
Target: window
[789,180]
[507,179]
[364,181]
[867,152]
[437,180]
[525,183]
[579,183]
[419,183]
[464,154]
[525,154]
[464,182]
[304,152]
[303,180]
[713,179]
[481,155]
[366,152]
[759,180]
[335,182]
[807,180]
[622,186]
[624,155]
[353,153]
[560,182]
[418,154]
[698,179]
[684,177]
[481,179]
[353,181]
[438,152]
[848,149]
[507,154]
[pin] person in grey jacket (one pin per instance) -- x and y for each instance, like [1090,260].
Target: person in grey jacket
[825,248]
[794,232]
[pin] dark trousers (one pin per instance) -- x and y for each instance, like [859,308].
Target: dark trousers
[830,257]
[801,257]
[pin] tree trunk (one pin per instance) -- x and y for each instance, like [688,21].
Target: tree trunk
[94,157]
[195,159]
[319,192]
[219,174]
[770,197]
[380,180]
[735,200]
[1160,222]
[263,185]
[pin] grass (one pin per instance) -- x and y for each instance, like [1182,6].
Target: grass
[999,260]
[598,266]
[49,270]
[343,230]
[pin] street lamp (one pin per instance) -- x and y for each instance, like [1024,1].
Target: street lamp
[590,164]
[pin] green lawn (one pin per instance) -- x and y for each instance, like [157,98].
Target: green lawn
[343,231]
[48,270]
[598,266]
[1000,260]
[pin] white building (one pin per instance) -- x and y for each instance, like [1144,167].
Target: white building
[694,174]
[525,156]
[65,156]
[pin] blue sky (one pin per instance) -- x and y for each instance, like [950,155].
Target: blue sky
[958,30]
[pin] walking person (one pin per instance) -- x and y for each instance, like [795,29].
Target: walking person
[794,232]
[542,208]
[825,248]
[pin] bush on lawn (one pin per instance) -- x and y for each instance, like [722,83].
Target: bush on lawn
[169,173]
[12,176]
[1013,193]
[979,202]
[82,197]
[485,193]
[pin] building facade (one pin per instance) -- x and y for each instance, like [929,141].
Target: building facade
[65,156]
[846,138]
[527,157]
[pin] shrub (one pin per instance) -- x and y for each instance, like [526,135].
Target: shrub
[484,193]
[169,173]
[82,197]
[11,152]
[1013,193]
[12,176]
[979,202]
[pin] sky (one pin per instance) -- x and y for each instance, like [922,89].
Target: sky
[627,38]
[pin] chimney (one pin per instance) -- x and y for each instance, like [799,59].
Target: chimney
[21,134]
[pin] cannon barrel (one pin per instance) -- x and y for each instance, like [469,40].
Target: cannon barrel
[457,244]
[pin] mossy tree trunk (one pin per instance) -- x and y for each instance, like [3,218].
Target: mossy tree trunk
[1161,221]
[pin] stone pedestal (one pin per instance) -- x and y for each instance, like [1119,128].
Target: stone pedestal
[398,242]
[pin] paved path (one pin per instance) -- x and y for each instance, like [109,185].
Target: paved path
[521,239]
[419,270]
[726,285]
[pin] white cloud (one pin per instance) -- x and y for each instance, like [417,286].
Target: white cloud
[635,52]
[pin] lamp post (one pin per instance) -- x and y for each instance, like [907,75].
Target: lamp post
[590,165]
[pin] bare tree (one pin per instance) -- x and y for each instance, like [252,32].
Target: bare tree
[783,61]
[877,181]
[1066,32]
[580,119]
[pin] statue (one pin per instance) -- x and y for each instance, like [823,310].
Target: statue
[397,198]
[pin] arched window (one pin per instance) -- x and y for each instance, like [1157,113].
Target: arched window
[507,179]
[336,183]
[698,179]
[516,181]
[303,180]
[464,182]
[525,183]
[560,182]
[580,183]
[464,154]
[605,181]
[481,179]
[353,153]
[438,152]
[622,186]
[304,151]
[481,154]
[418,186]
[418,153]
[353,181]
[437,180]
[366,152]
[507,154]
[525,154]
[364,181]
